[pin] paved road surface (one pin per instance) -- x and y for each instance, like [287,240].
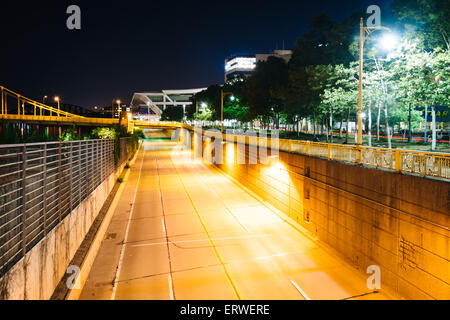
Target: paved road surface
[184,231]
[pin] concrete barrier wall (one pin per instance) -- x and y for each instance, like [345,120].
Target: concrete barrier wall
[370,217]
[36,276]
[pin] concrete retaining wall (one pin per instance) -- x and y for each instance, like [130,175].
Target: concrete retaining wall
[370,217]
[36,276]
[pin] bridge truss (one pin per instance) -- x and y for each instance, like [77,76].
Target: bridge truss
[17,108]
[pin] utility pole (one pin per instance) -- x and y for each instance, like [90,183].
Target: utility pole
[409,120]
[364,33]
[361,52]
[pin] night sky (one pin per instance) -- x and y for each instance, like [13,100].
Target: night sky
[130,46]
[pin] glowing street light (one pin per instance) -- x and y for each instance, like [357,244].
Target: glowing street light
[119,109]
[112,107]
[388,42]
[58,99]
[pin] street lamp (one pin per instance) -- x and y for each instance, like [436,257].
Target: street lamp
[388,42]
[112,107]
[222,96]
[57,99]
[119,109]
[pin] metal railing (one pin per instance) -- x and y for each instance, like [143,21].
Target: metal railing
[40,184]
[427,164]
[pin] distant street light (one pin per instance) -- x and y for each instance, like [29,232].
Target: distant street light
[43,99]
[57,99]
[388,42]
[112,107]
[119,109]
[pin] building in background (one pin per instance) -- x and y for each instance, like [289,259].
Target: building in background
[239,66]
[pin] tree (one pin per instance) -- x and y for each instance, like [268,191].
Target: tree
[210,97]
[425,21]
[265,89]
[341,94]
[423,78]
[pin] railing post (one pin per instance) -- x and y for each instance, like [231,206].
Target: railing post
[329,150]
[398,161]
[5,99]
[71,176]
[3,104]
[59,182]
[24,211]
[87,167]
[308,144]
[80,174]
[359,150]
[45,189]
[101,161]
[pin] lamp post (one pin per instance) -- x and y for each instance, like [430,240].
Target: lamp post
[222,96]
[57,99]
[364,33]
[118,106]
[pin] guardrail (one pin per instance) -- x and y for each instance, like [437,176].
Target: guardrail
[158,124]
[427,164]
[41,183]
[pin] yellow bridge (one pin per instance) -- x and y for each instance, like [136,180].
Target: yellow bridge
[18,108]
[33,112]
